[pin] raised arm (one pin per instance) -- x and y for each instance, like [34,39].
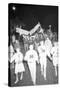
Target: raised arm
[35,28]
[13,58]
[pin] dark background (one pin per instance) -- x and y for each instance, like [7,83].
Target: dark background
[29,15]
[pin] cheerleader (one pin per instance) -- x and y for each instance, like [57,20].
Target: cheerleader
[19,67]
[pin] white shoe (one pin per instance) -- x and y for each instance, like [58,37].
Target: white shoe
[16,81]
[44,78]
[21,77]
[34,83]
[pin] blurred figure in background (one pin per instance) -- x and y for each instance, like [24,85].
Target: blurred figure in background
[42,58]
[54,52]
[11,50]
[15,42]
[48,46]
[11,53]
[13,38]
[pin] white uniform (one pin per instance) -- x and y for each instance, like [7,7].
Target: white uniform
[54,52]
[43,59]
[31,57]
[48,46]
[18,57]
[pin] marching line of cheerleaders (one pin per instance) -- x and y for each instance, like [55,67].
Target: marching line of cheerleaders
[36,53]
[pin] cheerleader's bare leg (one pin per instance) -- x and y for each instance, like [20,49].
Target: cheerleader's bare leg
[55,70]
[21,77]
[16,78]
[41,69]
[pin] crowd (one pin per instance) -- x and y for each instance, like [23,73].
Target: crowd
[34,52]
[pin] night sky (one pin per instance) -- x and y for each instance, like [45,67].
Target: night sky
[31,14]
